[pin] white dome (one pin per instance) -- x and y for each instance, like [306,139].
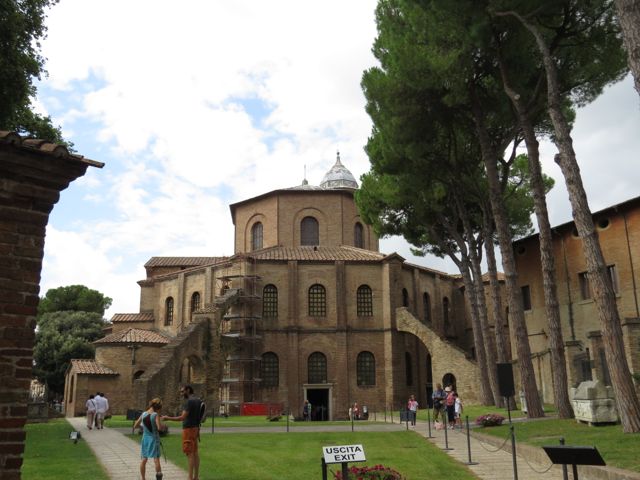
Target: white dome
[339,177]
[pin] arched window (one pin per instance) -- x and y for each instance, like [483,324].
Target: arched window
[168,311]
[445,314]
[364,301]
[317,368]
[270,370]
[408,368]
[309,231]
[269,301]
[426,304]
[256,236]
[317,301]
[358,235]
[195,301]
[366,369]
[405,298]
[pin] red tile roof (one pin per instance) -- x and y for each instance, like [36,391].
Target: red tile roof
[132,317]
[182,261]
[91,367]
[43,146]
[343,252]
[134,335]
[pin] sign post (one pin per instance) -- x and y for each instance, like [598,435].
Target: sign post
[574,456]
[343,454]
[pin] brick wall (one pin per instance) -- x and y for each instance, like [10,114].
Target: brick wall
[32,174]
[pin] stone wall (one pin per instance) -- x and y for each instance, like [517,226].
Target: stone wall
[32,174]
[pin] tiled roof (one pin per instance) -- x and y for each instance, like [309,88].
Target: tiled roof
[91,367]
[134,335]
[43,146]
[132,317]
[182,261]
[318,253]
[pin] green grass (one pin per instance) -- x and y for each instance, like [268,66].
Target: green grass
[617,448]
[281,456]
[50,455]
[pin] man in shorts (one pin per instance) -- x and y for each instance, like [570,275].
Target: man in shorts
[190,418]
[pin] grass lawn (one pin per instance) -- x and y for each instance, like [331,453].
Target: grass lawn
[50,455]
[618,449]
[279,456]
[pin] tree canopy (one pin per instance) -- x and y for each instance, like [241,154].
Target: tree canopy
[78,298]
[22,27]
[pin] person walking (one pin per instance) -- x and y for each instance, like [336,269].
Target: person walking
[150,445]
[450,404]
[458,408]
[306,411]
[412,407]
[190,418]
[438,396]
[102,406]
[91,411]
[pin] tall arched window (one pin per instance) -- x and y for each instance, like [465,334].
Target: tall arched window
[309,231]
[405,298]
[426,305]
[317,368]
[168,311]
[408,368]
[256,236]
[366,369]
[358,235]
[195,301]
[270,370]
[364,301]
[445,315]
[317,301]
[269,301]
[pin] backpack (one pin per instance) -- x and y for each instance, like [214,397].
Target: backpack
[203,412]
[451,400]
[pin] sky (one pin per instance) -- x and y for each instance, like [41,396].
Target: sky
[197,105]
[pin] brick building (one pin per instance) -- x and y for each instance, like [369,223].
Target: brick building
[306,308]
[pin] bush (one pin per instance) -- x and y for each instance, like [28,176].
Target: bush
[490,420]
[377,472]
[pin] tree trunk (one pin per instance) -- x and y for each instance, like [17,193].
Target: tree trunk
[603,294]
[629,16]
[551,304]
[514,295]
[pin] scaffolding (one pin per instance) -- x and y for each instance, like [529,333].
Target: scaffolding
[241,335]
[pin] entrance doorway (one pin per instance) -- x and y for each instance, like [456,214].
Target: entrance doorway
[319,400]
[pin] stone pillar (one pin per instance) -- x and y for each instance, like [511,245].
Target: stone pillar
[572,348]
[600,369]
[32,174]
[631,339]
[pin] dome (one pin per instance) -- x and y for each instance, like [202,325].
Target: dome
[339,177]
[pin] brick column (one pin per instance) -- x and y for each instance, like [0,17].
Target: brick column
[32,174]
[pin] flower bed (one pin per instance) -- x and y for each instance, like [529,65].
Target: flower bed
[377,472]
[490,420]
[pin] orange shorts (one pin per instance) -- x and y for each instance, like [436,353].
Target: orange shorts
[190,440]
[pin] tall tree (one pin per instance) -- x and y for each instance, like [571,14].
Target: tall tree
[78,298]
[604,296]
[22,26]
[629,15]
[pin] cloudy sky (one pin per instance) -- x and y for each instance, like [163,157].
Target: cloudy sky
[197,106]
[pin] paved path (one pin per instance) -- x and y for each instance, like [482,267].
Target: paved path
[120,455]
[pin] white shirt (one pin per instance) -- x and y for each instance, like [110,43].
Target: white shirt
[458,406]
[91,405]
[102,404]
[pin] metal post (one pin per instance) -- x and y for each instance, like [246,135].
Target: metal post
[345,471]
[469,442]
[352,416]
[213,426]
[506,399]
[446,435]
[513,453]
[565,472]
[391,414]
[288,415]
[324,468]
[429,422]
[406,415]
[575,471]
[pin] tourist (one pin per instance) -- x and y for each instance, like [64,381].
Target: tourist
[450,404]
[356,411]
[91,411]
[150,446]
[190,418]
[102,406]
[306,411]
[412,408]
[438,397]
[458,407]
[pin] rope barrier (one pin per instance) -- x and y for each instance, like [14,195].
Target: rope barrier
[499,448]
[537,471]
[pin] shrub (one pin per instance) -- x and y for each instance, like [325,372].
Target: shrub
[490,420]
[377,472]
